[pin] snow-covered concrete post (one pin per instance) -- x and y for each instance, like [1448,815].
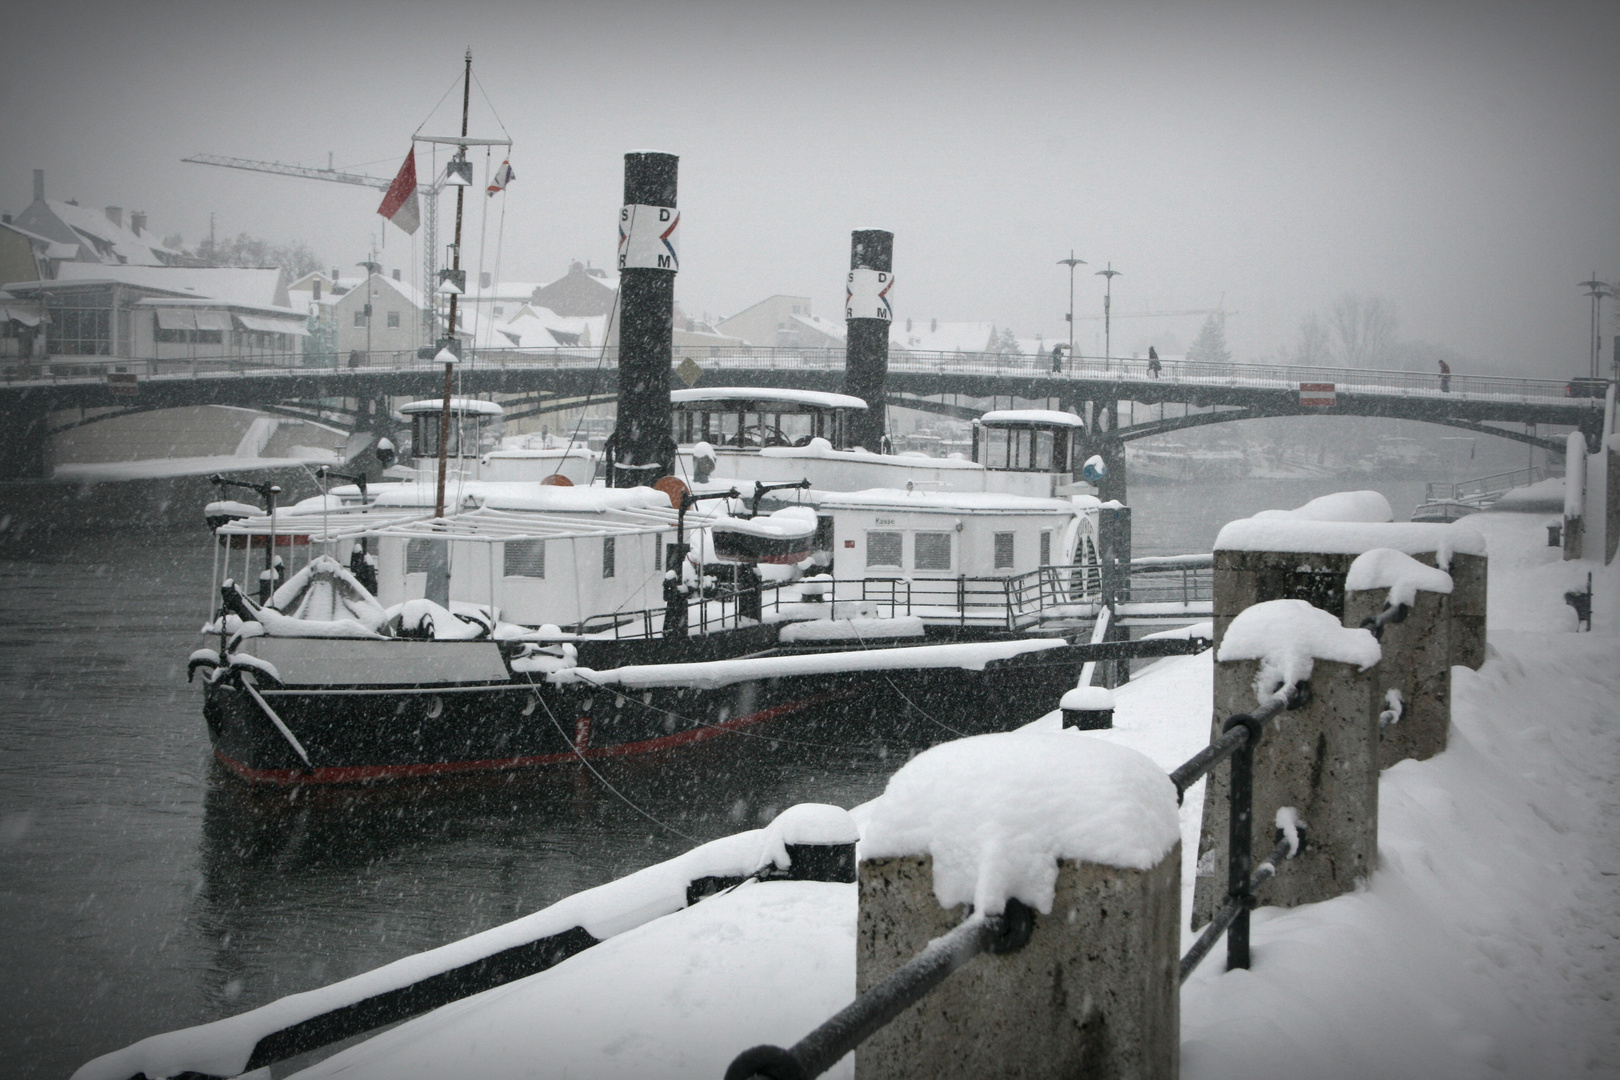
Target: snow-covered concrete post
[1303,555]
[1574,495]
[1318,760]
[867,314]
[1081,830]
[1088,708]
[1414,677]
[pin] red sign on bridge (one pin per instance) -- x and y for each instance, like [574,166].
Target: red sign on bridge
[1317,395]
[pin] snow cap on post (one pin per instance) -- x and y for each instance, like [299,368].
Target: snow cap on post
[1402,575]
[1288,637]
[997,812]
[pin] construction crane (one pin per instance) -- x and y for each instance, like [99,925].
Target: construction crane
[430,219]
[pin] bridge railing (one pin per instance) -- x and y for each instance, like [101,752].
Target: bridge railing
[718,358]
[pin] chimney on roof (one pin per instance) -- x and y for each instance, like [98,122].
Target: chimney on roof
[39,185]
[396,273]
[137,221]
[315,289]
[115,214]
[334,274]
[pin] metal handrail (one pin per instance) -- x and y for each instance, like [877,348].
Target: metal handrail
[912,981]
[904,987]
[1482,487]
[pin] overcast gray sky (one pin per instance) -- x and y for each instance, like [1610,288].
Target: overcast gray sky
[1461,158]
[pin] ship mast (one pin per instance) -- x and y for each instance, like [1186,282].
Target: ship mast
[455,275]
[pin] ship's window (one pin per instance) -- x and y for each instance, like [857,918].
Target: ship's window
[1004,551]
[883,549]
[607,555]
[1046,547]
[1043,451]
[525,558]
[931,551]
[418,556]
[995,448]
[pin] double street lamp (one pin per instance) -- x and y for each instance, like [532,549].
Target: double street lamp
[1071,262]
[1597,290]
[1108,301]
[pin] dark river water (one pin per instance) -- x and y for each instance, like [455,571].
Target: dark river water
[142,889]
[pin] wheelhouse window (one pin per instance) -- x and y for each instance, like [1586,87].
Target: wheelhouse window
[931,551]
[525,558]
[883,549]
[1004,550]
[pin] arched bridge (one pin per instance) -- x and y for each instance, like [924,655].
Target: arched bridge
[1179,394]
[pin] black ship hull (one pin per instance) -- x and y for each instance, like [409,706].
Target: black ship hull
[347,731]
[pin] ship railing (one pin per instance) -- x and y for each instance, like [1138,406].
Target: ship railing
[1184,579]
[1013,602]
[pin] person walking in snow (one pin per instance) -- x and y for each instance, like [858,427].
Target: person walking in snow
[1057,358]
[1445,377]
[1153,362]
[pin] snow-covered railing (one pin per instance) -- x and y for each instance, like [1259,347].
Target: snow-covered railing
[1482,488]
[1012,928]
[1240,735]
[808,842]
[749,357]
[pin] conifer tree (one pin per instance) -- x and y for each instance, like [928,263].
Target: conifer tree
[1210,345]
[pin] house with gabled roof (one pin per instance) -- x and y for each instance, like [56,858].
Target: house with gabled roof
[99,236]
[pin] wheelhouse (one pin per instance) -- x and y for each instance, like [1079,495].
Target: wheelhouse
[475,426]
[1027,440]
[751,418]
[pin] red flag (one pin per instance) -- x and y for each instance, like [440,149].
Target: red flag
[503,176]
[400,204]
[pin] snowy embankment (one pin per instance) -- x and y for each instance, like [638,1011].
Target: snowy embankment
[1485,944]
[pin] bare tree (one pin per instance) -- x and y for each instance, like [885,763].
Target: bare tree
[1315,346]
[295,258]
[1365,328]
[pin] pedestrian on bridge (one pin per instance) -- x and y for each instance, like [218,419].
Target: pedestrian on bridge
[1445,377]
[1153,362]
[1057,358]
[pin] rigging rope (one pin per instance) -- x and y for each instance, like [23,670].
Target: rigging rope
[599,777]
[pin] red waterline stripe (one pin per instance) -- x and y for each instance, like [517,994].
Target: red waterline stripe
[341,774]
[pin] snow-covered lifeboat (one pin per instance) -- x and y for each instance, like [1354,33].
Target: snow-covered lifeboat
[784,538]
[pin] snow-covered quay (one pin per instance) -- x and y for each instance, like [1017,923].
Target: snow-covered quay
[1485,944]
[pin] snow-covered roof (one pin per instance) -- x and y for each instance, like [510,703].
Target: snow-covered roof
[944,502]
[929,336]
[248,286]
[473,406]
[821,326]
[1032,416]
[133,249]
[53,249]
[766,396]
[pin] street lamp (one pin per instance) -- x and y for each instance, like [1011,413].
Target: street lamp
[1597,290]
[1108,297]
[1071,262]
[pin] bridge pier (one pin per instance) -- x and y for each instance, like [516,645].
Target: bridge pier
[25,441]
